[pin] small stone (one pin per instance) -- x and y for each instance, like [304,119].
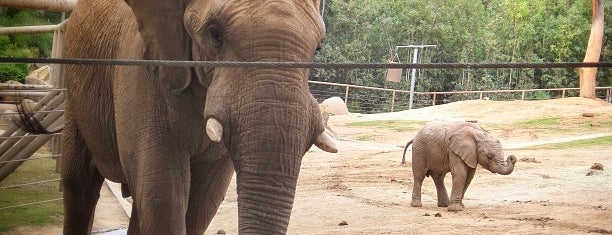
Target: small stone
[438,215]
[426,214]
[597,166]
[588,114]
[343,223]
[221,231]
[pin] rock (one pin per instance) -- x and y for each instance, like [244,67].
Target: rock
[426,214]
[221,231]
[438,215]
[597,166]
[588,114]
[343,223]
[334,105]
[39,76]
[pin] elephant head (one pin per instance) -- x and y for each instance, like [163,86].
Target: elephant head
[476,146]
[266,118]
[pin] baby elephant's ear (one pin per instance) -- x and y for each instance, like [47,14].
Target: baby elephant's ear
[160,24]
[462,143]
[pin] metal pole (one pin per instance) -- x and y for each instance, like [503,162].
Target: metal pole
[415,59]
[46,5]
[413,77]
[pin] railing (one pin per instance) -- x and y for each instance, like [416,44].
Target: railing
[365,99]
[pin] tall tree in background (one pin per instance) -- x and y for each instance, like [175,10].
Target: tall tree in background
[593,51]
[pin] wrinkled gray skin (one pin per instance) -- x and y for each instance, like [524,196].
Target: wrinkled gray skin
[146,127]
[457,147]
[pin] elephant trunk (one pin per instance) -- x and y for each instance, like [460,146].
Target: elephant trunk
[268,142]
[508,167]
[264,203]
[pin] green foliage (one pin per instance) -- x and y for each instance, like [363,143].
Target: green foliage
[15,72]
[464,31]
[36,214]
[24,45]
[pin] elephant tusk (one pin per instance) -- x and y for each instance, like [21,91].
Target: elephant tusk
[214,130]
[326,143]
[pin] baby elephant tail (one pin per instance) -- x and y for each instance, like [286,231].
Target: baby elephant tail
[406,148]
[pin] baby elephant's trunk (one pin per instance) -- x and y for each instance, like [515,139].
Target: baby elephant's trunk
[506,169]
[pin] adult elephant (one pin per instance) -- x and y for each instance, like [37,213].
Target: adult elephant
[144,126]
[457,147]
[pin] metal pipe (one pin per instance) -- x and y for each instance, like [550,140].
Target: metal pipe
[47,5]
[31,29]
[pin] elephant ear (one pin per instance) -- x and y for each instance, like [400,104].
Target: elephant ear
[160,23]
[463,143]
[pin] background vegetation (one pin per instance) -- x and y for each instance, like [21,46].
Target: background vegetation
[464,31]
[24,45]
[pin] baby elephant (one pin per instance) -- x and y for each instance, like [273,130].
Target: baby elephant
[456,147]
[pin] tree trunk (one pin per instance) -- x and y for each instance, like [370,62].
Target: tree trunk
[593,52]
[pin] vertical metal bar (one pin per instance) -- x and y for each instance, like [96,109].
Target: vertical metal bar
[393,101]
[413,77]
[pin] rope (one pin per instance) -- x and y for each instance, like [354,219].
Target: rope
[28,184]
[33,203]
[32,158]
[304,64]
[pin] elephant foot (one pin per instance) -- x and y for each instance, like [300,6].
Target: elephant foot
[454,207]
[442,204]
[416,203]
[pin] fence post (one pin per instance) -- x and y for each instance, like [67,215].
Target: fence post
[522,95]
[346,94]
[563,93]
[481,95]
[433,100]
[393,101]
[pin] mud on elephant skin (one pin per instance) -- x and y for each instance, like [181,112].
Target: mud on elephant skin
[457,147]
[145,126]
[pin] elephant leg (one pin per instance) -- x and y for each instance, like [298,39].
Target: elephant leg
[419,176]
[81,182]
[134,228]
[209,183]
[468,180]
[158,189]
[459,180]
[442,194]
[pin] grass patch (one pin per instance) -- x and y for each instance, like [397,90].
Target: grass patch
[47,213]
[396,125]
[366,137]
[600,141]
[541,122]
[606,124]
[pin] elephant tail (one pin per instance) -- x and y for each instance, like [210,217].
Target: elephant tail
[29,123]
[406,148]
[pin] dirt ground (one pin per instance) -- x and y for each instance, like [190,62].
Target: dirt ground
[363,189]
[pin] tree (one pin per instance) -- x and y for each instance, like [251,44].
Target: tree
[593,51]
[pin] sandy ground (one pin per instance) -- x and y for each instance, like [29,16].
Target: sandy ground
[363,189]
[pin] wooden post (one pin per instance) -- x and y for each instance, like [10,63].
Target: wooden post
[593,51]
[433,100]
[346,94]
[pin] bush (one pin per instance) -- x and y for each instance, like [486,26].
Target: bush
[15,72]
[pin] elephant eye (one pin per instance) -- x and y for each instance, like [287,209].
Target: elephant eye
[215,36]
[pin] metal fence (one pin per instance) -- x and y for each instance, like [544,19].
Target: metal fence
[363,99]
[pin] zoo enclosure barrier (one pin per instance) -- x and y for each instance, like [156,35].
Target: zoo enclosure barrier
[364,99]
